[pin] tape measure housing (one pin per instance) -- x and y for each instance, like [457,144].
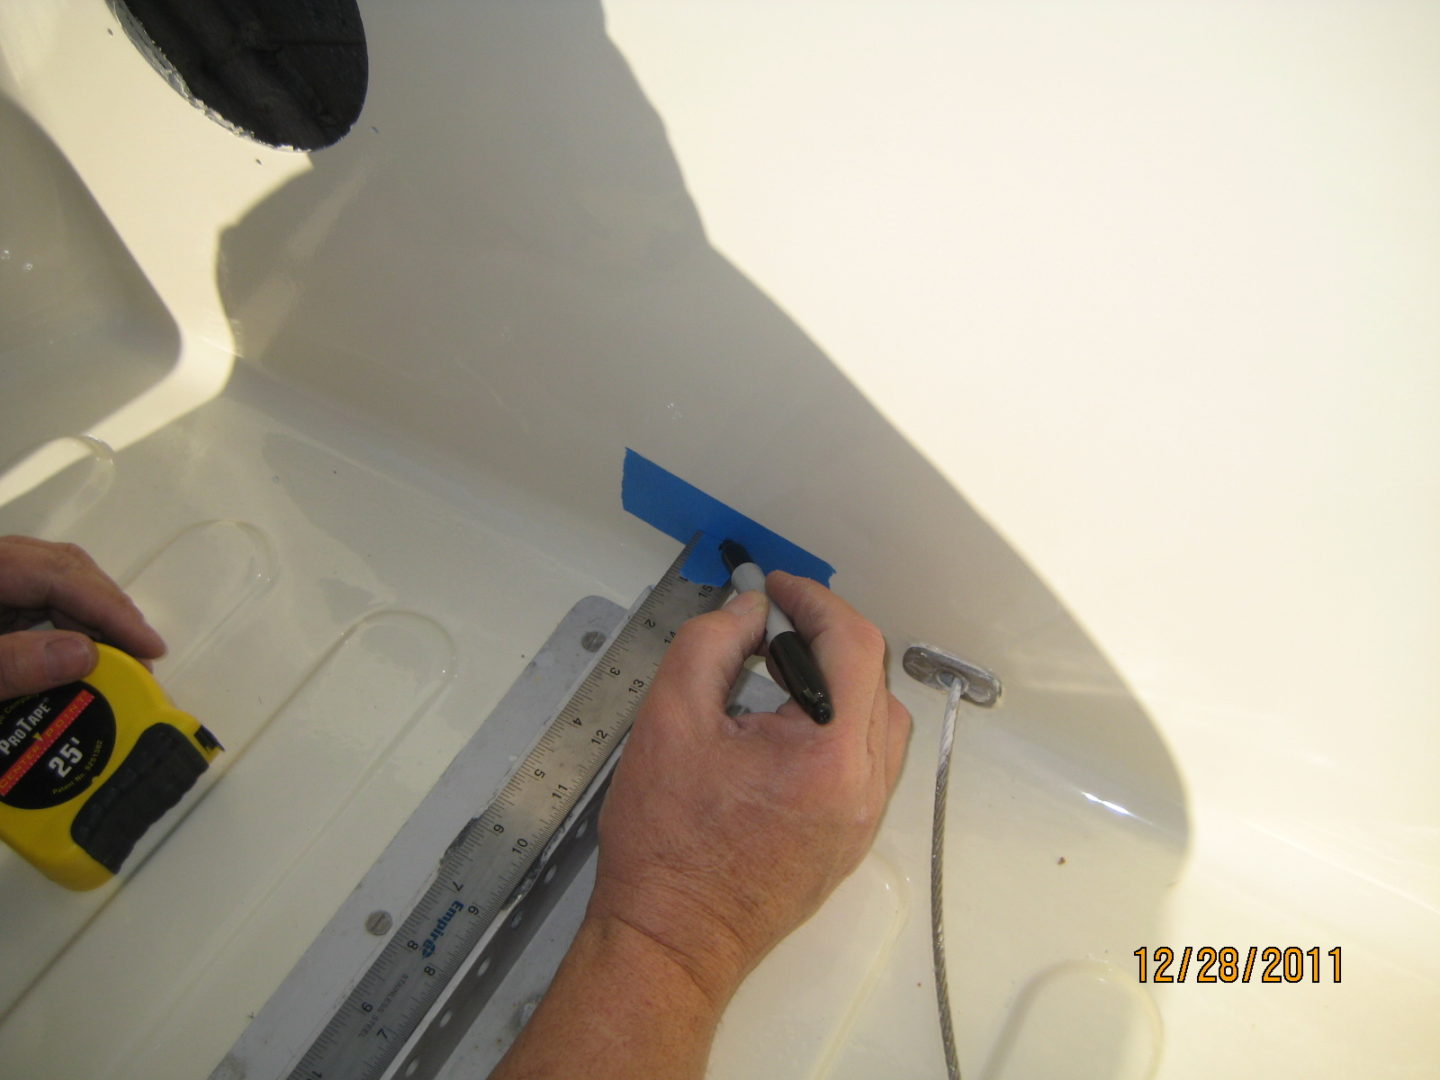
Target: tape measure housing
[88,767]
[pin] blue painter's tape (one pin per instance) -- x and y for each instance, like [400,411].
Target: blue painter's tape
[678,509]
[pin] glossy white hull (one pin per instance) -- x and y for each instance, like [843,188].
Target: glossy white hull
[1095,344]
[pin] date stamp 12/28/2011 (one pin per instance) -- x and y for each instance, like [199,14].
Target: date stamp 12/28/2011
[1227,964]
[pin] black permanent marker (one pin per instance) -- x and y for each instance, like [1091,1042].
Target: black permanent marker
[791,659]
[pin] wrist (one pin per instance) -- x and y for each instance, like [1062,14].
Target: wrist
[702,985]
[619,1007]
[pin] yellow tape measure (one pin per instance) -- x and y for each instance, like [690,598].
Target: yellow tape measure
[87,768]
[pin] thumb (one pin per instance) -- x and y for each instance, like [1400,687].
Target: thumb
[705,658]
[35,660]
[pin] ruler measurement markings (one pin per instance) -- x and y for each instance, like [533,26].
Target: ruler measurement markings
[600,711]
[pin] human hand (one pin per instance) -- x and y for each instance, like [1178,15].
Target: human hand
[42,581]
[722,834]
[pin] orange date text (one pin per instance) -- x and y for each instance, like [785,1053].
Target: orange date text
[1228,964]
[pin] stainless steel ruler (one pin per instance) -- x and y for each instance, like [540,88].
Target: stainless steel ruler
[418,995]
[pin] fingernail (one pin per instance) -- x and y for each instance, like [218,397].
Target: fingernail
[746,602]
[69,658]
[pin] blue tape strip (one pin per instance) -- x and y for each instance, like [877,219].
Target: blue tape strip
[681,510]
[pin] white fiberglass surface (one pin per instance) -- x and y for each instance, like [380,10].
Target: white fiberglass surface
[344,615]
[397,379]
[400,489]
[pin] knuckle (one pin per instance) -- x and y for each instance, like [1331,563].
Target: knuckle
[16,671]
[702,630]
[904,723]
[55,558]
[867,636]
[71,556]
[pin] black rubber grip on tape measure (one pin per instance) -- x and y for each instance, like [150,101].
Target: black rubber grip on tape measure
[162,767]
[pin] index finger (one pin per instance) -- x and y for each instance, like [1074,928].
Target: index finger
[849,649]
[62,581]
